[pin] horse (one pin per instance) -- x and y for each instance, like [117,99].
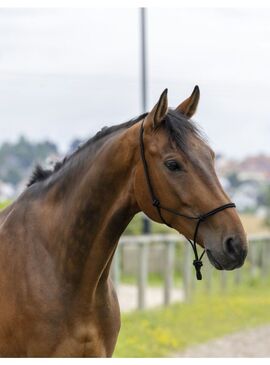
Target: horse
[58,238]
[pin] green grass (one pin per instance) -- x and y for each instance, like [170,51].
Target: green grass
[163,331]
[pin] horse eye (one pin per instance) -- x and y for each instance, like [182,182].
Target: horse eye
[172,165]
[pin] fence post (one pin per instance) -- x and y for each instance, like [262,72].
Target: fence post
[187,282]
[169,270]
[237,277]
[223,280]
[208,276]
[115,271]
[142,274]
[253,258]
[264,258]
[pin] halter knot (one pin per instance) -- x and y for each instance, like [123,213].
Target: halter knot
[198,264]
[156,203]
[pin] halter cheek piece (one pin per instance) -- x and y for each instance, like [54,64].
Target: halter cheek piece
[156,203]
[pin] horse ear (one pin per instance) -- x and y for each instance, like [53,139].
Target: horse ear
[157,114]
[189,106]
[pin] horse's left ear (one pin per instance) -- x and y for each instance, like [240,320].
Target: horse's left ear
[189,106]
[157,114]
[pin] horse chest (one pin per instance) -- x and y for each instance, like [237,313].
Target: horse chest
[85,338]
[92,338]
[95,334]
[83,341]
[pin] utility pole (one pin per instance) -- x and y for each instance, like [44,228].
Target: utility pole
[143,59]
[146,224]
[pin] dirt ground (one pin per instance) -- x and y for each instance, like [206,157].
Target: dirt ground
[249,343]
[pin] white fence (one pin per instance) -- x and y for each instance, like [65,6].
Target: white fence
[257,263]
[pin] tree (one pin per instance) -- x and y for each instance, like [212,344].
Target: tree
[17,159]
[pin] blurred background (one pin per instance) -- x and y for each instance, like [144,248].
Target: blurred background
[65,73]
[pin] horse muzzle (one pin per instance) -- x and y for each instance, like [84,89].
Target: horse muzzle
[231,256]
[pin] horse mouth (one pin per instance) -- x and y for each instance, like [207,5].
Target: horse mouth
[228,266]
[213,261]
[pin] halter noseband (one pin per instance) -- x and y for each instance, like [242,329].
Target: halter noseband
[156,203]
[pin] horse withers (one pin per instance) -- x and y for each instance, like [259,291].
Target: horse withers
[58,238]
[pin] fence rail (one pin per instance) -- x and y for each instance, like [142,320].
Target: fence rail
[257,263]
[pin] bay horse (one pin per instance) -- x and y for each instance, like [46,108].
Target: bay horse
[58,238]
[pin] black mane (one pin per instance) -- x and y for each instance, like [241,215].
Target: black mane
[177,126]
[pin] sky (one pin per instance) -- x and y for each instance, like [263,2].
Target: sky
[65,73]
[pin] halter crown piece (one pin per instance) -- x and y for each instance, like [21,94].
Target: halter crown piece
[197,262]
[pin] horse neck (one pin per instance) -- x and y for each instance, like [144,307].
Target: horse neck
[93,203]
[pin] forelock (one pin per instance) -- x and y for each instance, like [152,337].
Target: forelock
[180,128]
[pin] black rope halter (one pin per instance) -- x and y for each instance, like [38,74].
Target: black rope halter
[156,203]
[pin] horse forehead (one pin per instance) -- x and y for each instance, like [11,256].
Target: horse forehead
[201,160]
[195,151]
[199,154]
[194,147]
[198,149]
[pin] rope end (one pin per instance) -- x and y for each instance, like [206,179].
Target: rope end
[198,264]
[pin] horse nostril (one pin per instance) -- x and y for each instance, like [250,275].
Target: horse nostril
[229,245]
[232,247]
